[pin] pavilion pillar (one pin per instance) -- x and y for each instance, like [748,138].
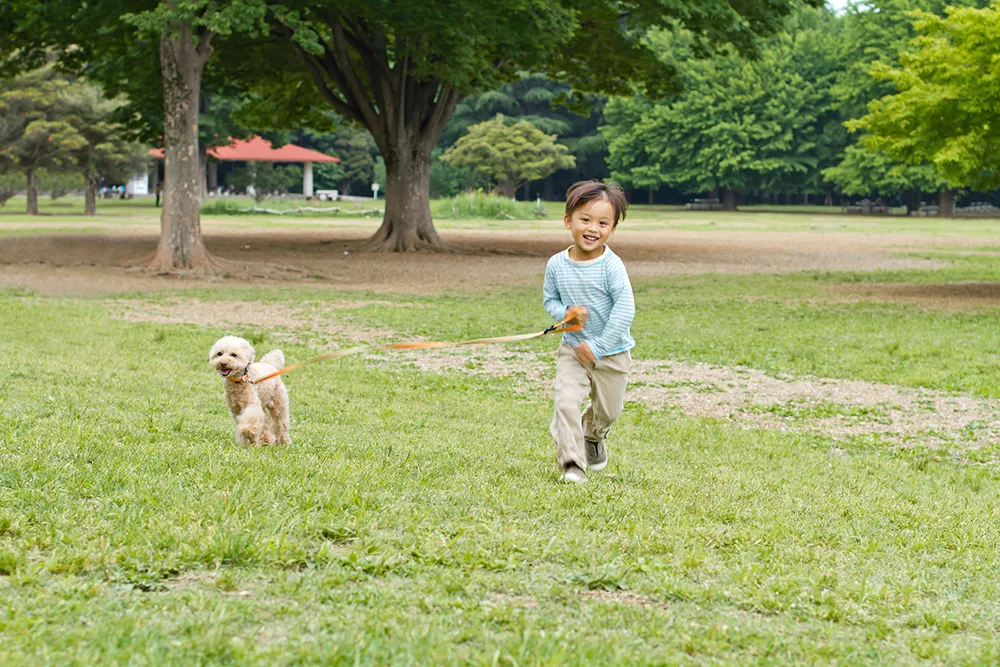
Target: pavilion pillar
[307,179]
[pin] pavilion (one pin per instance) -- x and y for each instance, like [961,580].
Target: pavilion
[258,149]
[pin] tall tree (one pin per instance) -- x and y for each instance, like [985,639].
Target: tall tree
[877,31]
[945,110]
[120,45]
[509,155]
[400,67]
[551,106]
[35,127]
[106,152]
[737,125]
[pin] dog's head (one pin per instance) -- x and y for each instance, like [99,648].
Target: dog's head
[231,356]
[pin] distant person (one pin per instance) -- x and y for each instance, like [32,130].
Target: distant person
[594,361]
[158,189]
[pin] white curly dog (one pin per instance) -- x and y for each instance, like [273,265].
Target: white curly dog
[260,411]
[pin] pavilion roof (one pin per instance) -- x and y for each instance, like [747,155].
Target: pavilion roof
[258,149]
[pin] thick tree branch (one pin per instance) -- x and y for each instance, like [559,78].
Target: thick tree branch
[354,87]
[316,73]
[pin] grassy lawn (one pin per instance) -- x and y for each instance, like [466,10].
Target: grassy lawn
[66,215]
[417,519]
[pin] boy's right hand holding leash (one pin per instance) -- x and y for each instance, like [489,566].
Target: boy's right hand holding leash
[583,352]
[579,315]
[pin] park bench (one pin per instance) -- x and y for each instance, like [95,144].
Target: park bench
[704,205]
[327,195]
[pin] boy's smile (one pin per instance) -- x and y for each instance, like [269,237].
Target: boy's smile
[592,226]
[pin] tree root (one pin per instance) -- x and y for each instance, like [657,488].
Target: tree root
[207,265]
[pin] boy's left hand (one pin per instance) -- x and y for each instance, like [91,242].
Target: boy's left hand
[584,354]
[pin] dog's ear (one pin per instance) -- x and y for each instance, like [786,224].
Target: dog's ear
[251,353]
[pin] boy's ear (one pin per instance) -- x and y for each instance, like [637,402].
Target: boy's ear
[566,221]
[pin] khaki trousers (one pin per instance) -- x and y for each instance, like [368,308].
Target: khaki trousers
[604,381]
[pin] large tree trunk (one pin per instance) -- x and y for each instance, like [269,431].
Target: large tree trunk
[32,192]
[213,176]
[407,223]
[181,245]
[90,202]
[651,193]
[728,199]
[509,189]
[203,172]
[946,204]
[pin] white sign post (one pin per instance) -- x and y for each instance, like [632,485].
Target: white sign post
[374,190]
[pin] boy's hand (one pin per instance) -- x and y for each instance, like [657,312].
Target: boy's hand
[584,354]
[581,315]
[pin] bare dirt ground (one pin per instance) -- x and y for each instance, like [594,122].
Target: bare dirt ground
[97,264]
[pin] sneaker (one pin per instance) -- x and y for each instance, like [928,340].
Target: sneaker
[573,474]
[597,455]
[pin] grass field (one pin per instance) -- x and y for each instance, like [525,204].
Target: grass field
[418,519]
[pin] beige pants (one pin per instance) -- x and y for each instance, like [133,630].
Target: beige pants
[604,381]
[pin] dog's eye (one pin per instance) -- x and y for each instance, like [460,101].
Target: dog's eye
[232,354]
[219,354]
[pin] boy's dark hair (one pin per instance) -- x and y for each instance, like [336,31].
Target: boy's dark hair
[582,193]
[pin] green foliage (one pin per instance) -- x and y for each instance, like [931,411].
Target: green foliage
[60,183]
[549,105]
[863,171]
[479,204]
[750,126]
[10,183]
[508,154]
[945,110]
[36,128]
[265,179]
[449,180]
[875,31]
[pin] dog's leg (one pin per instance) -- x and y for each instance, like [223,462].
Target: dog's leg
[279,412]
[250,425]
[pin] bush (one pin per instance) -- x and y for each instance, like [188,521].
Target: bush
[481,205]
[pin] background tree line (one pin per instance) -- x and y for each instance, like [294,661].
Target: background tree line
[752,100]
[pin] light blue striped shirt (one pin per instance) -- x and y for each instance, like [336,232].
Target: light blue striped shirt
[602,286]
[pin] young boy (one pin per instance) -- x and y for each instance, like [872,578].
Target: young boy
[595,360]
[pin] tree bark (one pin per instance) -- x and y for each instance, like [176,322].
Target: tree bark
[805,199]
[181,245]
[509,189]
[407,223]
[651,193]
[946,204]
[90,203]
[829,198]
[213,176]
[728,199]
[32,192]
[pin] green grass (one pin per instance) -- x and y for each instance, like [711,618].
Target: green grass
[640,217]
[417,518]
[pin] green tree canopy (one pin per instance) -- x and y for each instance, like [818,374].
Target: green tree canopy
[509,155]
[945,111]
[400,67]
[107,153]
[36,128]
[738,125]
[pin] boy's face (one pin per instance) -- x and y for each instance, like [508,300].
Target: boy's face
[592,226]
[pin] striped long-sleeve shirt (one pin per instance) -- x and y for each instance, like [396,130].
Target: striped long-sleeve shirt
[602,286]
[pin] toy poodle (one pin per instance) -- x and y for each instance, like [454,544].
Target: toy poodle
[260,411]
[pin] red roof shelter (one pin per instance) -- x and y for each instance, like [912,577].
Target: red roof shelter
[258,149]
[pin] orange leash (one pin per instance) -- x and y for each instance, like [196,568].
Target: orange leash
[569,323]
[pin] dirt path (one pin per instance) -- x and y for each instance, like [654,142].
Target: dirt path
[96,264]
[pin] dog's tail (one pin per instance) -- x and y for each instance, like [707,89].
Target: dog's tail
[274,358]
